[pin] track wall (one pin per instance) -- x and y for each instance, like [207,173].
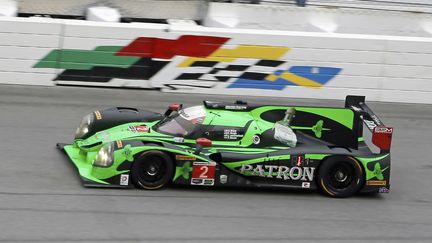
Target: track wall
[195,59]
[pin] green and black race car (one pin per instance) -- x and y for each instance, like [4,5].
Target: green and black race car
[238,145]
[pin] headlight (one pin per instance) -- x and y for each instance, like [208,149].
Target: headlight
[84,126]
[105,156]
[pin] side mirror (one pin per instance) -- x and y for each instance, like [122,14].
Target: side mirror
[173,107]
[202,142]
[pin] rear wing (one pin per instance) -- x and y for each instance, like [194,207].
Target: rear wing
[381,134]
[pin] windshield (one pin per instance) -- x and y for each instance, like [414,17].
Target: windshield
[183,122]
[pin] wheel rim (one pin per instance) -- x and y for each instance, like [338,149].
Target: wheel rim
[152,170]
[341,176]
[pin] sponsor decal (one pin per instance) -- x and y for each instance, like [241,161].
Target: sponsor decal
[139,128]
[203,173]
[223,179]
[386,130]
[305,184]
[376,119]
[370,124]
[383,190]
[376,183]
[98,115]
[256,139]
[124,179]
[184,157]
[178,139]
[235,107]
[297,160]
[280,172]
[232,134]
[202,182]
[119,144]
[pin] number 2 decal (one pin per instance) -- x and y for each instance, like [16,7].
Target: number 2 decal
[203,173]
[204,170]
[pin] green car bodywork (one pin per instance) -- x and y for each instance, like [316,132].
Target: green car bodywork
[245,150]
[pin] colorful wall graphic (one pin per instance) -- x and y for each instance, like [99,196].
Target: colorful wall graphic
[205,58]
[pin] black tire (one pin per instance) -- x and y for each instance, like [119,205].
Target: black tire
[152,170]
[340,176]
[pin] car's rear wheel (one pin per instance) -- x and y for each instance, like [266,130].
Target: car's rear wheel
[152,170]
[340,176]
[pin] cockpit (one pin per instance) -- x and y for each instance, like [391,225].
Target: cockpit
[182,123]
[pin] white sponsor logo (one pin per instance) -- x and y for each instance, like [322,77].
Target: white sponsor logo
[223,179]
[376,120]
[124,179]
[235,107]
[280,172]
[387,130]
[231,134]
[306,185]
[370,124]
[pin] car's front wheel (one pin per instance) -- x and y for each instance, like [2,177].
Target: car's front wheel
[340,176]
[152,170]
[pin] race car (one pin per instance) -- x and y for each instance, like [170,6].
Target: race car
[220,144]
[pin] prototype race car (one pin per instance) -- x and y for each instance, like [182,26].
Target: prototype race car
[236,144]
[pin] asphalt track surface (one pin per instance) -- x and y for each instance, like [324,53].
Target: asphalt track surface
[42,200]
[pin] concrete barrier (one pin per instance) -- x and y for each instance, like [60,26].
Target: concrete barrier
[196,59]
[411,22]
[23,42]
